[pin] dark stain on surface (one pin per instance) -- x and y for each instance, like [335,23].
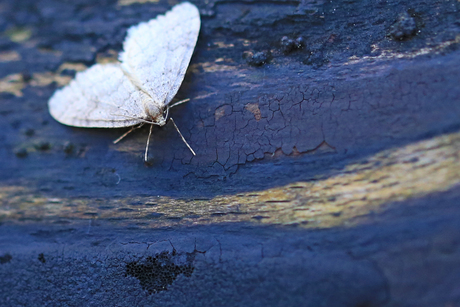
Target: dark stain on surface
[41,258]
[5,258]
[156,273]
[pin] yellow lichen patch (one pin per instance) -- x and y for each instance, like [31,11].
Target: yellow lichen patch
[110,56]
[223,45]
[45,78]
[129,2]
[346,198]
[15,83]
[71,66]
[18,35]
[9,56]
[391,54]
[48,51]
[246,42]
[214,67]
[7,194]
[12,84]
[394,175]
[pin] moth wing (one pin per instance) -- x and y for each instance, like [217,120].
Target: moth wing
[101,96]
[157,53]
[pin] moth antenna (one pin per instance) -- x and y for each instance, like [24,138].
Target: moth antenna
[183,139]
[128,132]
[167,113]
[173,105]
[179,102]
[148,143]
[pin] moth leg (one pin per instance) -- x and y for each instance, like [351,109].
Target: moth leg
[183,139]
[128,132]
[147,145]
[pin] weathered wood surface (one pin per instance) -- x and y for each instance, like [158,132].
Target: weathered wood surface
[329,176]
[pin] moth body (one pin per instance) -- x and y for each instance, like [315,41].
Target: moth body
[154,111]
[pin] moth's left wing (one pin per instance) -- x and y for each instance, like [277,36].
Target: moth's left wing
[101,96]
[157,53]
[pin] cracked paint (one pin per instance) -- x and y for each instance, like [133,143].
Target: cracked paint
[271,126]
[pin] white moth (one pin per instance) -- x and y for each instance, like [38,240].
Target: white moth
[139,88]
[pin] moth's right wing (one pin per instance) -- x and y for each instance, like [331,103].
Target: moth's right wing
[101,96]
[156,53]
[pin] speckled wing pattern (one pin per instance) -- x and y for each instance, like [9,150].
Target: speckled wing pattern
[155,58]
[157,52]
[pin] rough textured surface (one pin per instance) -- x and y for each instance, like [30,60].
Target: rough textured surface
[328,175]
[351,90]
[408,256]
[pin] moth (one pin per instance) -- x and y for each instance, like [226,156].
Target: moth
[139,88]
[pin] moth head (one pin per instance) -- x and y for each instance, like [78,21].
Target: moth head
[155,114]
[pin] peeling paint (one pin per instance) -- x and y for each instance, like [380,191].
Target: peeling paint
[130,2]
[223,45]
[9,56]
[53,52]
[110,56]
[254,109]
[390,54]
[211,67]
[71,66]
[18,35]
[15,83]
[45,78]
[219,113]
[12,84]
